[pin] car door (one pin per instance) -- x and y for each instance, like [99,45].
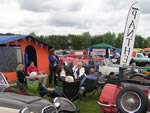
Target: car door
[103,68]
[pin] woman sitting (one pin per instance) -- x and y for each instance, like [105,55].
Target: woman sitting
[22,76]
[61,72]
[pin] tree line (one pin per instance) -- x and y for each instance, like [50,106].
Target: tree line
[84,40]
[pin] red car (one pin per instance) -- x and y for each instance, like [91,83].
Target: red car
[77,54]
[130,96]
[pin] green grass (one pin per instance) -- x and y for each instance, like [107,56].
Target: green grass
[88,106]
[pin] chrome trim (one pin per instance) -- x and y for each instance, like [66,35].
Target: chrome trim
[55,99]
[24,109]
[106,105]
[47,107]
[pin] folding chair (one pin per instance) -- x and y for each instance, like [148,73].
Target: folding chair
[90,86]
[72,92]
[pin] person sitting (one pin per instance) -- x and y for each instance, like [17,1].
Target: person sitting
[61,71]
[34,73]
[84,65]
[112,79]
[79,71]
[51,92]
[91,76]
[69,79]
[22,76]
[133,69]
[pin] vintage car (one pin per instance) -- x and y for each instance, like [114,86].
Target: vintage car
[16,101]
[76,54]
[131,95]
[141,60]
[106,66]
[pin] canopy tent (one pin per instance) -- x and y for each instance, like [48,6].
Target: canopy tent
[102,46]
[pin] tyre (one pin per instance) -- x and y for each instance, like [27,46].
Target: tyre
[132,100]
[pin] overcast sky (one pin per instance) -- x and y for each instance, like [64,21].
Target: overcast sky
[70,16]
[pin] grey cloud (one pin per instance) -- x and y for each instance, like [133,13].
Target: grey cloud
[118,4]
[67,20]
[38,5]
[50,5]
[145,7]
[77,6]
[124,4]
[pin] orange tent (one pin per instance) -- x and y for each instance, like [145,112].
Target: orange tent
[16,49]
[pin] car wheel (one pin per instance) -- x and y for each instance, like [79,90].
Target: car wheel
[132,100]
[139,78]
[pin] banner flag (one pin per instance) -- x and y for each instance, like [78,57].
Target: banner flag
[129,34]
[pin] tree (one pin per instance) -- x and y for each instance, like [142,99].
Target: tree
[119,40]
[139,42]
[32,34]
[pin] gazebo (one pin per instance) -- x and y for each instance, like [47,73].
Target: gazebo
[102,46]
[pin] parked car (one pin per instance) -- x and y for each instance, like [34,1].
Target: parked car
[77,54]
[141,60]
[106,66]
[132,95]
[17,101]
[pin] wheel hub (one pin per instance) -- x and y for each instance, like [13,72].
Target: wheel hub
[130,102]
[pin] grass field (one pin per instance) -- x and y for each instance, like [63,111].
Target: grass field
[90,106]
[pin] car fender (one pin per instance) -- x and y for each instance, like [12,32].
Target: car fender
[108,96]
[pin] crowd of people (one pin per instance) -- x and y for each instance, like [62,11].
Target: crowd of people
[58,71]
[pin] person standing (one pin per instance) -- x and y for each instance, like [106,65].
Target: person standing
[53,64]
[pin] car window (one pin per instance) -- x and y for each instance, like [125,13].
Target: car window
[108,62]
[3,80]
[102,63]
[140,55]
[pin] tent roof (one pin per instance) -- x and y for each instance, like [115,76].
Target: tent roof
[10,38]
[102,46]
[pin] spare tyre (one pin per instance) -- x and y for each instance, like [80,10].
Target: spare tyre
[132,100]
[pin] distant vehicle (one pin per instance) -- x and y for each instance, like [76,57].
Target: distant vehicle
[141,60]
[16,101]
[147,52]
[77,54]
[106,66]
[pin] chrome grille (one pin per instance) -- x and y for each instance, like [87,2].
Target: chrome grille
[49,109]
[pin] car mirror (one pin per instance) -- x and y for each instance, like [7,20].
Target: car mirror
[25,110]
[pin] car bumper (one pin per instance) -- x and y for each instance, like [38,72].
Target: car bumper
[106,105]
